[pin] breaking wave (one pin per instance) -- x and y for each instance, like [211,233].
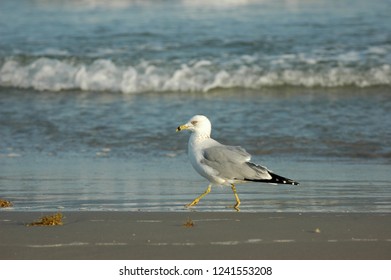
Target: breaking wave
[203,75]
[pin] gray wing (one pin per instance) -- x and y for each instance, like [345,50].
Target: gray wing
[221,153]
[231,162]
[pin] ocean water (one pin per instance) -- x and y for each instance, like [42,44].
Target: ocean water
[130,46]
[91,92]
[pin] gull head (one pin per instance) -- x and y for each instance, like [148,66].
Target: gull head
[198,124]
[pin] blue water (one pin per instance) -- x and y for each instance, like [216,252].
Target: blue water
[141,46]
[91,92]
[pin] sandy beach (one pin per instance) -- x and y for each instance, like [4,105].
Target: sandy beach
[143,235]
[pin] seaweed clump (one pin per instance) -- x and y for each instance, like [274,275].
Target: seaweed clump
[5,203]
[51,220]
[189,223]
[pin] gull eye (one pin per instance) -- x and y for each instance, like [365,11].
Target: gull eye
[194,122]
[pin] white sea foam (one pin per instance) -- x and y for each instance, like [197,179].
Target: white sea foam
[202,75]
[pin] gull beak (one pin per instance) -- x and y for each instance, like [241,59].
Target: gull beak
[182,127]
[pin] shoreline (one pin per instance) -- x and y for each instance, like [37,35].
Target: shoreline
[207,235]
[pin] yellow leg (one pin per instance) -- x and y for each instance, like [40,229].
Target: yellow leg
[195,201]
[236,206]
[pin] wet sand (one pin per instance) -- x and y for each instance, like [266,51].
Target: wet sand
[224,235]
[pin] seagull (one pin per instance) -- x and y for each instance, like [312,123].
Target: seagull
[221,164]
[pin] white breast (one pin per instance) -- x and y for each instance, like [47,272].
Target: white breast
[195,151]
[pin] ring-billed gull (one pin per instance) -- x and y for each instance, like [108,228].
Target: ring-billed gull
[221,164]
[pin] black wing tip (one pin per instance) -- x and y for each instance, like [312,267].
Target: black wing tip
[282,180]
[276,179]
